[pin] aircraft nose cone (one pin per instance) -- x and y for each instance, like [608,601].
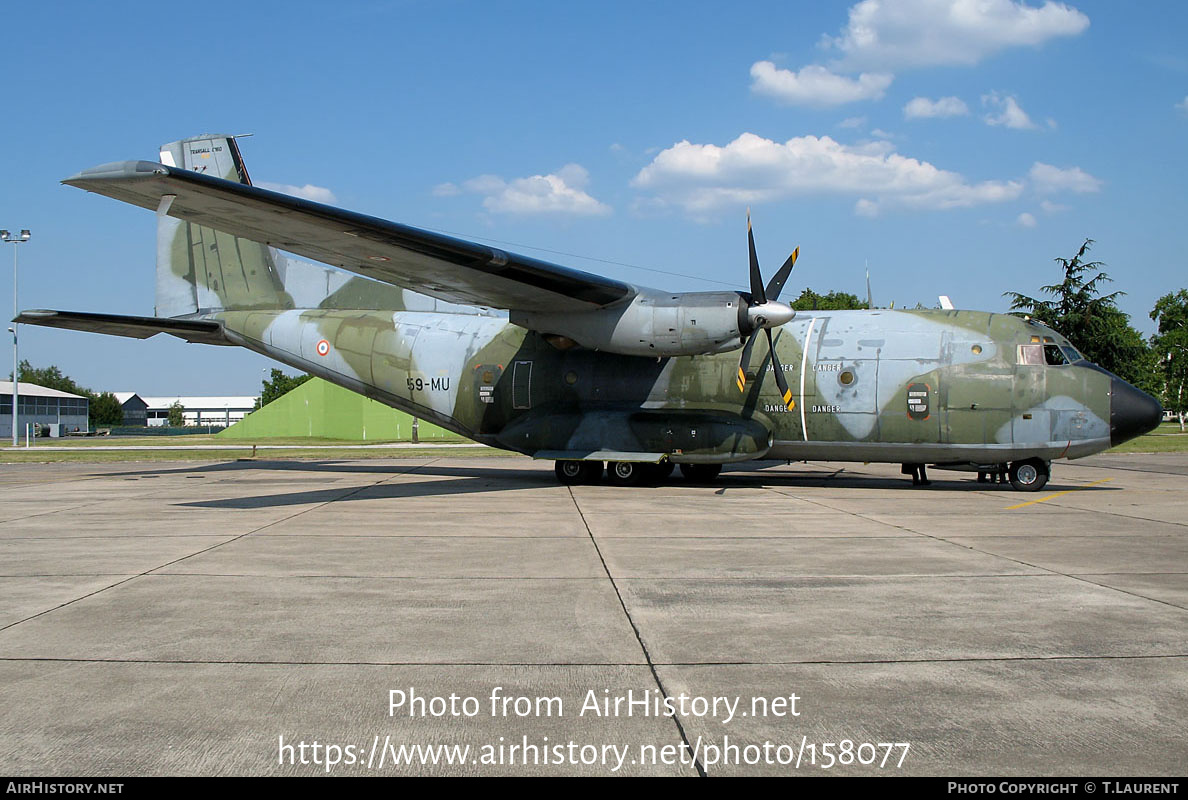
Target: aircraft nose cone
[1133,412]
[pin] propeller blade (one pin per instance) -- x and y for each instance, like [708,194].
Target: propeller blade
[744,361]
[778,369]
[776,285]
[758,297]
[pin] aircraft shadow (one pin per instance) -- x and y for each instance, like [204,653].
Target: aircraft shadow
[462,480]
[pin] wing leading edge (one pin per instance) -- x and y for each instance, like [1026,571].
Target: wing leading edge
[441,266]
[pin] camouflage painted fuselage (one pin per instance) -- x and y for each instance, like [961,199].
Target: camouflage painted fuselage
[936,386]
[566,374]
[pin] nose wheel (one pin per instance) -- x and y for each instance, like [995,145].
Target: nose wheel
[1029,475]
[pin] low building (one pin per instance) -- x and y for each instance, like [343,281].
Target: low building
[135,409]
[60,412]
[213,412]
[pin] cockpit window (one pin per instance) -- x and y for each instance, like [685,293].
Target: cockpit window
[1031,354]
[1072,353]
[1054,356]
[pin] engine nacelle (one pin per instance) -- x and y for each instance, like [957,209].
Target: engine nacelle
[686,324]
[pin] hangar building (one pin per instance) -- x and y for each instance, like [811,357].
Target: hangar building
[46,407]
[216,412]
[135,409]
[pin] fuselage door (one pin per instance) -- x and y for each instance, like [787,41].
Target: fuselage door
[522,384]
[1031,420]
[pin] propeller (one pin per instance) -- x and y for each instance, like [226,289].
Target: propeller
[765,313]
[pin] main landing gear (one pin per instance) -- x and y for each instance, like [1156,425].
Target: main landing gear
[573,473]
[631,473]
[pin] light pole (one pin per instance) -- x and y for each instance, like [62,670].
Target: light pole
[5,236]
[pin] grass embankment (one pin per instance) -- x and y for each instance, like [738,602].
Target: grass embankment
[1164,439]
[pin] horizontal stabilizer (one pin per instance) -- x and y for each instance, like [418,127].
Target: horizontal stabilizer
[198,331]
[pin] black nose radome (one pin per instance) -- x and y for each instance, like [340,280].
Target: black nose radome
[1133,412]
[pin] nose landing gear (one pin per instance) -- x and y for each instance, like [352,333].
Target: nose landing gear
[1029,475]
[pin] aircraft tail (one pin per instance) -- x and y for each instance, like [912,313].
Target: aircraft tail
[200,269]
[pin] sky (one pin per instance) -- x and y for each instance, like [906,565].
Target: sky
[955,146]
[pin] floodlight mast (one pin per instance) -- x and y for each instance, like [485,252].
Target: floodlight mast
[24,236]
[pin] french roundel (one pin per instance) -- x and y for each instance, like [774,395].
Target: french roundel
[323,347]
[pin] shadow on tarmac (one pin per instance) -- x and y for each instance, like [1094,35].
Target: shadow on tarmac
[449,480]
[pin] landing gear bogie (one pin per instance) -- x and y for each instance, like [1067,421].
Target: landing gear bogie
[628,473]
[575,473]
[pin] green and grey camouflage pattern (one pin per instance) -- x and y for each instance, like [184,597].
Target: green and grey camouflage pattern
[559,364]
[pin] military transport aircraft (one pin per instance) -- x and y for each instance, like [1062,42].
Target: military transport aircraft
[593,373]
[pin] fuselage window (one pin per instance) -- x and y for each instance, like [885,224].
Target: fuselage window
[1053,355]
[1031,354]
[1072,353]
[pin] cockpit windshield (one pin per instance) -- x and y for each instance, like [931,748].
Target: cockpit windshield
[1054,355]
[1072,352]
[1048,352]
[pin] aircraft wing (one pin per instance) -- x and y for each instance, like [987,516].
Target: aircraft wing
[430,263]
[192,330]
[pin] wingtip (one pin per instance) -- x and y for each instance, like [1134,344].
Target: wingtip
[116,170]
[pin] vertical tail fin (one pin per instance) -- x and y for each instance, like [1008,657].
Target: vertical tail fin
[200,269]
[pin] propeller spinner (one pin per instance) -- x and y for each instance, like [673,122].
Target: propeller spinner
[765,313]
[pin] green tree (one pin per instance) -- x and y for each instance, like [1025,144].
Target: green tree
[51,378]
[1092,321]
[1170,344]
[177,416]
[278,385]
[105,410]
[834,301]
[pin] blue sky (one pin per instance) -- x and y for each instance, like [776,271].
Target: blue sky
[957,146]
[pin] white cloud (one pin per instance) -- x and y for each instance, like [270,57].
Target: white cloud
[446,190]
[815,85]
[484,184]
[1049,207]
[1026,220]
[318,194]
[879,133]
[918,33]
[561,192]
[922,108]
[751,169]
[1009,112]
[852,122]
[1048,179]
[1183,106]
